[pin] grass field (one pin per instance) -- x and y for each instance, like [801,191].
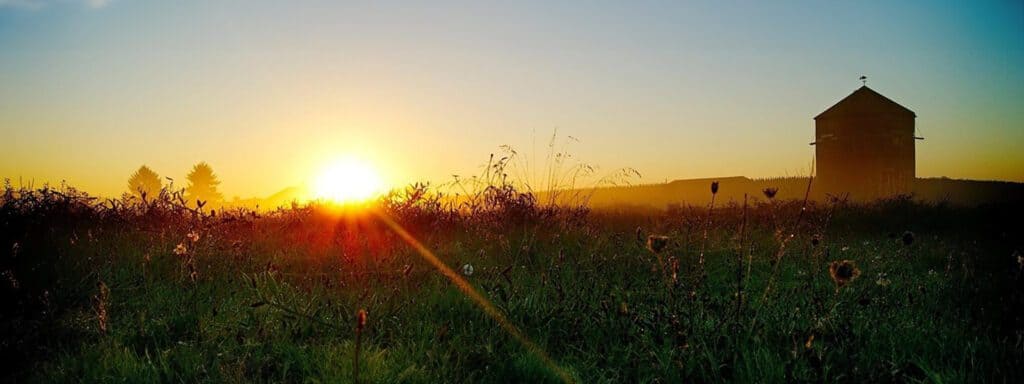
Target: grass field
[132,291]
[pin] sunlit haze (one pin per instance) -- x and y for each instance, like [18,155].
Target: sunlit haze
[270,92]
[347,181]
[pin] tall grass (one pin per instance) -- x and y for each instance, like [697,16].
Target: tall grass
[95,291]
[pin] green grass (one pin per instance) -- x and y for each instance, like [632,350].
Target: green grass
[275,297]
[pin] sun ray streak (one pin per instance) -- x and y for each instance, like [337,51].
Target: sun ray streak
[475,295]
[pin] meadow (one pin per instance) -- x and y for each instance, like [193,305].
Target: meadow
[763,290]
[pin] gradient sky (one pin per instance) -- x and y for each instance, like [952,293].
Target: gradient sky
[268,91]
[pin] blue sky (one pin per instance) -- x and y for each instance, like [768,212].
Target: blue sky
[267,90]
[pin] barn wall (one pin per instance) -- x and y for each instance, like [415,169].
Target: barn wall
[866,155]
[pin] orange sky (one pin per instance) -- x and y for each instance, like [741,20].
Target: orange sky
[93,90]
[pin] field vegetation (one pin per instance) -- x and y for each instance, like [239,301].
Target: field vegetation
[498,286]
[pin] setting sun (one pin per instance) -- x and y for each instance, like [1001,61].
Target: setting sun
[348,181]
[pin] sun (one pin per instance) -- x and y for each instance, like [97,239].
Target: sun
[348,181]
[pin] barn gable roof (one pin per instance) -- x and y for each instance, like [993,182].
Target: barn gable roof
[865,100]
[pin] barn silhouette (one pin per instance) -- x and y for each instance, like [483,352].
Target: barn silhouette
[864,146]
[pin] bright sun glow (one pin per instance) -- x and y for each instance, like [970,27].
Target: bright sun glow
[348,181]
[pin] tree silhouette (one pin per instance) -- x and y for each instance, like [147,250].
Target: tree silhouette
[144,181]
[202,184]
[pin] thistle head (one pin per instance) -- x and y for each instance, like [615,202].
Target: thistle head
[657,243]
[843,271]
[908,238]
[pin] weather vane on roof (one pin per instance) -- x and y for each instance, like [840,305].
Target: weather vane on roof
[864,80]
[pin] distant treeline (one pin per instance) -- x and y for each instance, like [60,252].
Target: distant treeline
[202,188]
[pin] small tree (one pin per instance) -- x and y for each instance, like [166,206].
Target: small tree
[202,184]
[144,181]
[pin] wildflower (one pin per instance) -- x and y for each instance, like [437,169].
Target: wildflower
[770,192]
[883,279]
[360,324]
[192,236]
[845,248]
[101,301]
[361,319]
[657,243]
[9,275]
[843,271]
[467,270]
[908,238]
[714,187]
[675,270]
[180,250]
[931,272]
[1020,259]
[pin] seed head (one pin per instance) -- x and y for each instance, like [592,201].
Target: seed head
[714,187]
[770,192]
[908,238]
[843,272]
[657,243]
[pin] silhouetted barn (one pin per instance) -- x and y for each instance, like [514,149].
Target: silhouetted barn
[864,145]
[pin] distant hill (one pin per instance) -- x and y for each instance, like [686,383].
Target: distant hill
[698,192]
[731,189]
[282,198]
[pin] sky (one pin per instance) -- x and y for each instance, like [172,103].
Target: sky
[268,92]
